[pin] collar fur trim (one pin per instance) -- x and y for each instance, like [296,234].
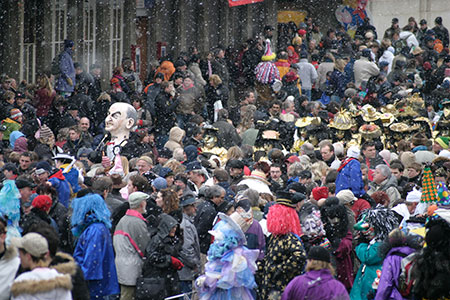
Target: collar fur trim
[33,287]
[65,264]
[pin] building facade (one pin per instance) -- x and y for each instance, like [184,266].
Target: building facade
[105,31]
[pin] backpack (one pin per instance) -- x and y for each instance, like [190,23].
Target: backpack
[405,280]
[55,65]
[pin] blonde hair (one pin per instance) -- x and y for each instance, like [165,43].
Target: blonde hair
[215,79]
[175,166]
[340,64]
[315,265]
[44,83]
[104,96]
[235,153]
[319,170]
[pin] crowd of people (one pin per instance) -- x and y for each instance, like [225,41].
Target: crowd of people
[317,172]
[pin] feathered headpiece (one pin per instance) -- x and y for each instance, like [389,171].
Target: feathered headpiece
[381,219]
[268,54]
[89,209]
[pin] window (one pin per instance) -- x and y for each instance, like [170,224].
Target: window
[116,44]
[59,25]
[89,26]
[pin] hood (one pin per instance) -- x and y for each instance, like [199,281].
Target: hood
[64,264]
[176,134]
[404,249]
[191,153]
[318,277]
[387,55]
[166,223]
[59,175]
[13,137]
[405,34]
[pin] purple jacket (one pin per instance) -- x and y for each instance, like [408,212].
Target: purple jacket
[387,288]
[317,285]
[256,239]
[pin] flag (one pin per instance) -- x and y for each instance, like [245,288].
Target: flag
[232,3]
[429,190]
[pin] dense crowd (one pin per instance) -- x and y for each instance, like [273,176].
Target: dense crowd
[316,172]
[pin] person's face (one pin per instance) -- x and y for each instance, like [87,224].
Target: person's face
[235,172]
[20,101]
[162,160]
[312,225]
[173,231]
[326,153]
[24,162]
[25,259]
[275,109]
[378,176]
[220,199]
[221,54]
[437,148]
[11,100]
[143,166]
[96,72]
[251,98]
[8,174]
[180,184]
[178,81]
[396,173]
[412,173]
[170,180]
[159,200]
[116,119]
[25,194]
[190,210]
[136,104]
[370,152]
[130,187]
[423,26]
[43,177]
[6,85]
[187,83]
[84,124]
[73,135]
[411,207]
[73,113]
[158,80]
[275,173]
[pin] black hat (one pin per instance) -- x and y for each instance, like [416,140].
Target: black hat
[423,22]
[244,203]
[194,165]
[438,20]
[319,253]
[42,167]
[305,174]
[287,198]
[297,187]
[23,183]
[160,76]
[72,106]
[236,164]
[20,95]
[268,27]
[165,153]
[180,63]
[303,54]
[10,167]
[2,128]
[395,21]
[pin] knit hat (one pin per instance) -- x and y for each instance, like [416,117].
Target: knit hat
[346,196]
[319,253]
[136,198]
[413,196]
[320,192]
[15,113]
[159,183]
[353,152]
[287,198]
[42,202]
[268,54]
[443,141]
[33,243]
[46,133]
[42,167]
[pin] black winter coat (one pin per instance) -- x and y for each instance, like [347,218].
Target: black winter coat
[159,253]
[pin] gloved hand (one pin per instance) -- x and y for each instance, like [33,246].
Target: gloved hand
[176,263]
[69,81]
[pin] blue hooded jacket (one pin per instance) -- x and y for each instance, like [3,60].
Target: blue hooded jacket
[67,70]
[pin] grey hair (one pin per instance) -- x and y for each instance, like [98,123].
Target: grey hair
[215,191]
[384,169]
[178,154]
[295,169]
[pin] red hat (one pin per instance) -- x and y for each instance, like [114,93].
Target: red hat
[302,31]
[293,159]
[320,192]
[290,76]
[43,202]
